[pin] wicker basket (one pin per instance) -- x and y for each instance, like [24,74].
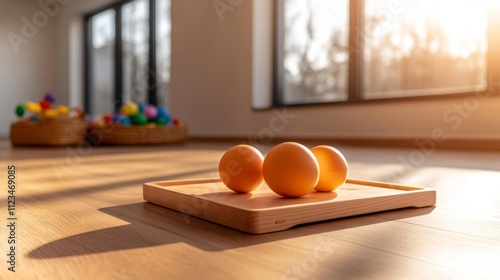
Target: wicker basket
[58,131]
[137,135]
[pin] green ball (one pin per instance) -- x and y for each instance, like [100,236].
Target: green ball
[161,121]
[20,110]
[139,119]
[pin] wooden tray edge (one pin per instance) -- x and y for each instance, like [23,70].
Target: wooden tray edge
[253,221]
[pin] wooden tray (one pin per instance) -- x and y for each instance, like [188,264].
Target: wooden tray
[264,211]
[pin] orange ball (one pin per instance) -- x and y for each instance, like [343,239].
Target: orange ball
[240,168]
[333,168]
[291,170]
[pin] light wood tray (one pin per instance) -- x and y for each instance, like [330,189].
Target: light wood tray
[264,211]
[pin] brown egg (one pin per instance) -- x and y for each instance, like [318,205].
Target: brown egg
[240,168]
[291,170]
[333,168]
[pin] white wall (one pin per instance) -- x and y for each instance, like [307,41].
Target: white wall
[212,88]
[29,73]
[70,47]
[216,63]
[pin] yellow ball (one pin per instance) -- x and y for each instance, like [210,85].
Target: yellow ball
[63,110]
[129,109]
[50,113]
[33,107]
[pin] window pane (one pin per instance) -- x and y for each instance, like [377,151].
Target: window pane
[315,54]
[135,36]
[424,47]
[163,31]
[102,53]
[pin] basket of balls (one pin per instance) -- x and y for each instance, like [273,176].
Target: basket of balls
[47,125]
[137,124]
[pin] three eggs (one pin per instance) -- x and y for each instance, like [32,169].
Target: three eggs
[289,169]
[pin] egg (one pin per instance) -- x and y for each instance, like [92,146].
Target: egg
[290,170]
[333,168]
[240,168]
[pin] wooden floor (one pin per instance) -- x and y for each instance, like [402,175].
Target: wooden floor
[80,215]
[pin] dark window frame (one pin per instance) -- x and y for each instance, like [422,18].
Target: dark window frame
[355,64]
[118,54]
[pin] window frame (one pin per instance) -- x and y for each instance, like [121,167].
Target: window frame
[118,54]
[355,63]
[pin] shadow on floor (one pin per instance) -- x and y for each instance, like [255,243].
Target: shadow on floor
[152,225]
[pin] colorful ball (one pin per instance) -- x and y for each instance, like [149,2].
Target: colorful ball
[50,97]
[129,109]
[45,104]
[116,117]
[36,118]
[33,107]
[63,110]
[50,113]
[142,106]
[139,119]
[125,121]
[107,118]
[77,113]
[20,110]
[163,112]
[176,122]
[151,112]
[161,121]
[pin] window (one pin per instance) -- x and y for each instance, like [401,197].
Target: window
[350,51]
[127,55]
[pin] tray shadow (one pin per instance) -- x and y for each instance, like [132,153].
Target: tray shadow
[152,225]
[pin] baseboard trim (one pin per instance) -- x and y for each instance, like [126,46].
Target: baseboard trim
[464,144]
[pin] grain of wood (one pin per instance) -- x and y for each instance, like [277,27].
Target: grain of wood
[91,222]
[263,211]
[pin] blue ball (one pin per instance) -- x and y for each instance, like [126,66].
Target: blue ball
[36,118]
[116,118]
[141,107]
[125,121]
[50,97]
[163,113]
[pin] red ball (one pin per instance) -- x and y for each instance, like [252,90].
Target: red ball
[45,104]
[176,122]
[107,118]
[79,113]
